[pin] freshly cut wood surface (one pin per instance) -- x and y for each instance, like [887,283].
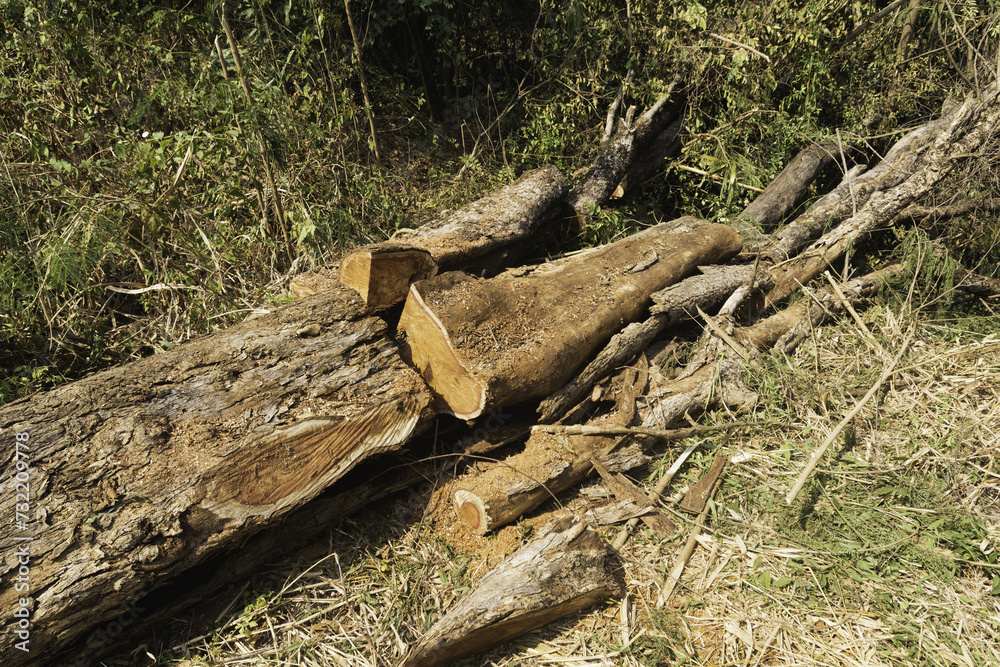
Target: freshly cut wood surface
[567,569]
[381,273]
[141,472]
[523,334]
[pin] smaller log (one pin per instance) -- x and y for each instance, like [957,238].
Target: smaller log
[568,569]
[790,187]
[549,464]
[382,272]
[671,305]
[521,335]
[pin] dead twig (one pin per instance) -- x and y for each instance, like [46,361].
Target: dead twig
[669,434]
[818,454]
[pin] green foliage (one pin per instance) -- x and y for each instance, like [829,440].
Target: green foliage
[132,156]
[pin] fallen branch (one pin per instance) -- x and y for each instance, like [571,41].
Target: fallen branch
[675,575]
[666,435]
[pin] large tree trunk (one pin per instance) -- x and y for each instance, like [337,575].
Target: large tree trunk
[483,235]
[140,472]
[515,337]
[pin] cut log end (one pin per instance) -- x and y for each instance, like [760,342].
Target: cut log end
[382,277]
[472,511]
[455,388]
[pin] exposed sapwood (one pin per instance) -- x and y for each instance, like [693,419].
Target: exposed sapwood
[141,472]
[481,236]
[521,335]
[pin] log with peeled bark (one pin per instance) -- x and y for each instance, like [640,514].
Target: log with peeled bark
[966,129]
[565,570]
[617,156]
[519,336]
[141,472]
[481,236]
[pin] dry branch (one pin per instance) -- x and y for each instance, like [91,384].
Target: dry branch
[673,304]
[966,129]
[617,156]
[521,335]
[566,570]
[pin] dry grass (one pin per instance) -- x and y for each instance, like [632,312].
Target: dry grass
[886,558]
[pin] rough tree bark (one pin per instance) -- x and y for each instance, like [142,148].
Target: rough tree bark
[617,156]
[651,160]
[787,190]
[964,131]
[568,569]
[490,343]
[479,236]
[140,472]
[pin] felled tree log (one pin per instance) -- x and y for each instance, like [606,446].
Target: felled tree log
[706,290]
[549,465]
[788,188]
[521,335]
[617,156]
[558,458]
[965,131]
[484,233]
[568,569]
[139,473]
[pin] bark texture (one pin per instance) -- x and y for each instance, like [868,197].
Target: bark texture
[522,334]
[789,187]
[141,472]
[476,234]
[962,133]
[568,569]
[618,155]
[707,290]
